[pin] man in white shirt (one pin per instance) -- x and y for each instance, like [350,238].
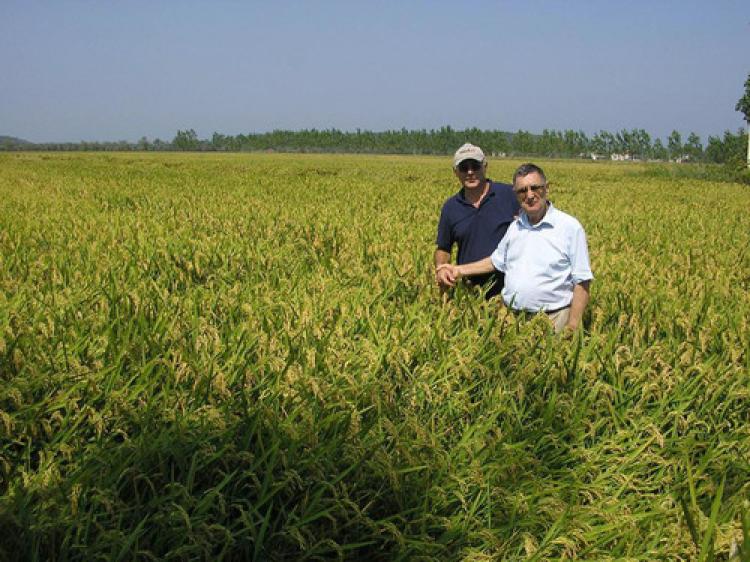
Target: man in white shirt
[544,256]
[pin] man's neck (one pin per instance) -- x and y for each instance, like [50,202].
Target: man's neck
[534,220]
[475,196]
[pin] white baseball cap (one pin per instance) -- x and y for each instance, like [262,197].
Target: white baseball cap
[468,151]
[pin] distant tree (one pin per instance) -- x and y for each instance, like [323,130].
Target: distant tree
[659,152]
[185,140]
[582,143]
[674,144]
[715,150]
[603,143]
[693,147]
[498,143]
[730,150]
[523,143]
[641,143]
[743,105]
[624,142]
[218,141]
[597,145]
[549,144]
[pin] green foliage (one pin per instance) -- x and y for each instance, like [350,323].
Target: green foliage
[743,104]
[730,149]
[186,140]
[635,143]
[674,144]
[693,148]
[659,152]
[243,357]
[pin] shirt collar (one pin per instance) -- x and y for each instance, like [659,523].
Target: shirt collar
[550,218]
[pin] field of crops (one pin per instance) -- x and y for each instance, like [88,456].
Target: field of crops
[244,357]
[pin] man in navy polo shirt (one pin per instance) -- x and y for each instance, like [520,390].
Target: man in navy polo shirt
[476,218]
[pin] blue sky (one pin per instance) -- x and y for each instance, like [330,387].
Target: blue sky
[101,70]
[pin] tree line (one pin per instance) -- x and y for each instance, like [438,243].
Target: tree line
[633,144]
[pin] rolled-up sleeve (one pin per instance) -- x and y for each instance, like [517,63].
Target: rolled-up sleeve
[499,255]
[579,257]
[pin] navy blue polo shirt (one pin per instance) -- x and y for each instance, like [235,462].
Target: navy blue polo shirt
[478,231]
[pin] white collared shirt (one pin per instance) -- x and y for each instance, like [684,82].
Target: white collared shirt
[542,262]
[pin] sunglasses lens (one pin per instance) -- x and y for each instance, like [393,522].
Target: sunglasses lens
[535,188]
[467,165]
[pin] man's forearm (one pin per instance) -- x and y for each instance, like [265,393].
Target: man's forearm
[578,304]
[476,268]
[441,257]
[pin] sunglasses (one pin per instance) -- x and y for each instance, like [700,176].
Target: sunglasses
[535,188]
[467,165]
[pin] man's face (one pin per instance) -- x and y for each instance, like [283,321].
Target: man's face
[471,173]
[531,191]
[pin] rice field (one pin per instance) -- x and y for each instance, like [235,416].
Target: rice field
[244,357]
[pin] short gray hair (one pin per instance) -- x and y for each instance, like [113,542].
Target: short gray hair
[525,169]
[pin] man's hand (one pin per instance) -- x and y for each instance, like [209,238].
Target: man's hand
[441,258]
[446,276]
[569,330]
[577,306]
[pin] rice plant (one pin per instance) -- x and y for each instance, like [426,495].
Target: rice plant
[243,357]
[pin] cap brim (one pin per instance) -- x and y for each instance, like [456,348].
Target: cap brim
[469,157]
